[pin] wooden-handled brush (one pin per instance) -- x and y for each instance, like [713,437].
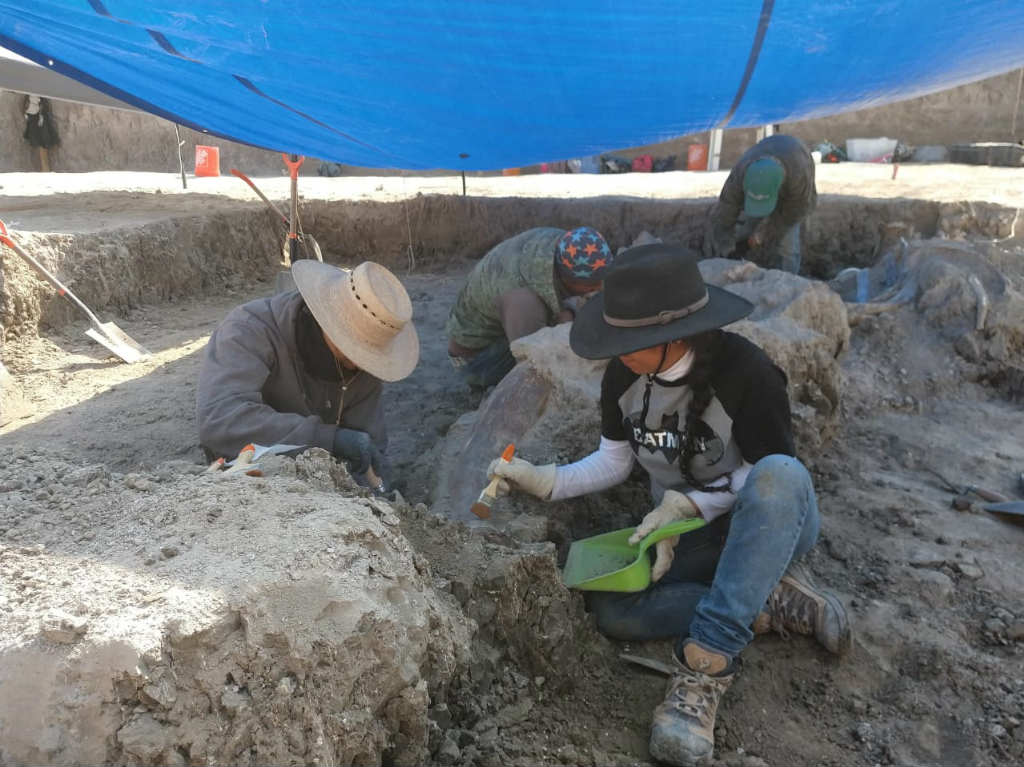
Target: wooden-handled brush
[482,507]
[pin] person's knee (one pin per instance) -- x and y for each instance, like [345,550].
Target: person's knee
[614,616]
[779,476]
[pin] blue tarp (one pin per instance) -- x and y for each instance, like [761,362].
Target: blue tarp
[417,84]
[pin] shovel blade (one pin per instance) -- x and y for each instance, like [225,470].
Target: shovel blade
[118,342]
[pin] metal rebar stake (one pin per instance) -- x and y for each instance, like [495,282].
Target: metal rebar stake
[181,162]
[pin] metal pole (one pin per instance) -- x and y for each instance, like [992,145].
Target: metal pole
[1016,106]
[293,242]
[463,156]
[715,148]
[181,162]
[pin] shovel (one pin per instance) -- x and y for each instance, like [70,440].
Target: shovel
[608,562]
[104,333]
[296,236]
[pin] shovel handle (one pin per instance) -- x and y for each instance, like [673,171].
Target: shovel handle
[675,528]
[62,289]
[293,165]
[277,211]
[988,495]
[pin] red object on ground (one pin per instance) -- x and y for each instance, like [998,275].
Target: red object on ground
[207,160]
[697,157]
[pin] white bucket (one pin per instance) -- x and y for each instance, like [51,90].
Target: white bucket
[870,149]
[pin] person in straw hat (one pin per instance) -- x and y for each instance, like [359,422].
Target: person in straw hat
[538,278]
[305,367]
[706,413]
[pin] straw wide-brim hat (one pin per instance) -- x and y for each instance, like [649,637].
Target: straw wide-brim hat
[365,312]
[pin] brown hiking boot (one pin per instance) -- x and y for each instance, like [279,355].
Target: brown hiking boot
[683,728]
[797,605]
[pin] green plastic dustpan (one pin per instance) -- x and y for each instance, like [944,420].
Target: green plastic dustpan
[608,562]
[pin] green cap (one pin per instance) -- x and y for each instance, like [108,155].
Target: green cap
[761,185]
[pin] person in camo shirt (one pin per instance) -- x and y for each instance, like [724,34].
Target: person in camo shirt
[538,278]
[706,413]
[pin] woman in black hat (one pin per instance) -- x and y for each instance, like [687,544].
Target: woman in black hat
[706,413]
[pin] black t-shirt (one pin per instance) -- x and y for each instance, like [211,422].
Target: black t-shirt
[748,416]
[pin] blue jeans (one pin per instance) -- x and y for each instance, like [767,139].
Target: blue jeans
[487,366]
[723,573]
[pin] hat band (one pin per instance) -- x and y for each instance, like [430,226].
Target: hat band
[661,318]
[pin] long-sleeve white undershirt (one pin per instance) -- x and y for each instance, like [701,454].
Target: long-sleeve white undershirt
[611,463]
[606,467]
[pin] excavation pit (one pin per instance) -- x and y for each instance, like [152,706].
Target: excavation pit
[156,616]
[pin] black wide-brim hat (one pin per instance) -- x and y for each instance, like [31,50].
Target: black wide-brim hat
[652,294]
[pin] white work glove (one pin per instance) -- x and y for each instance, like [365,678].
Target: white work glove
[673,507]
[535,480]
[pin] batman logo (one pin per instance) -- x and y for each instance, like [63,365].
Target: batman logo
[665,440]
[668,440]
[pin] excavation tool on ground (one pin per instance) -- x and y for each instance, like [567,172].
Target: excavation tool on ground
[482,507]
[652,663]
[104,333]
[309,247]
[243,463]
[988,495]
[247,457]
[1013,510]
[608,562]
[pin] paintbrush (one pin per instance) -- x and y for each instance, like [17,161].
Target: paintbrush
[482,507]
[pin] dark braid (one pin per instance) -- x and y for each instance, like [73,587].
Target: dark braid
[705,351]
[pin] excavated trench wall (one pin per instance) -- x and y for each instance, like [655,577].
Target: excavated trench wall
[117,269]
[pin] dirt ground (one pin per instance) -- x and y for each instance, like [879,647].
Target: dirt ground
[937,595]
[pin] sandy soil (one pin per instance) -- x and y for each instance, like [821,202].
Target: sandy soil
[937,594]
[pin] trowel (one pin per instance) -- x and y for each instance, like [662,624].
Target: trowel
[1010,510]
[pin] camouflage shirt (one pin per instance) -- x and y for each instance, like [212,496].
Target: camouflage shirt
[524,261]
